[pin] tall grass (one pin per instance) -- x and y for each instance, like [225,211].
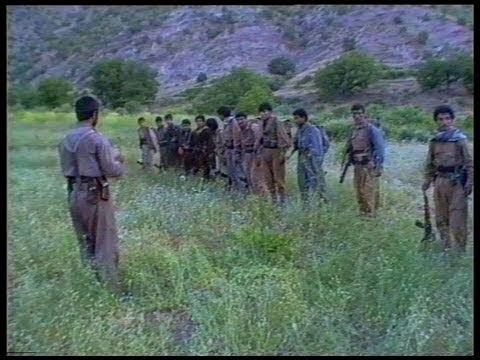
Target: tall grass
[214,274]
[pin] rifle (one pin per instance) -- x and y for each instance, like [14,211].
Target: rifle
[347,161]
[429,236]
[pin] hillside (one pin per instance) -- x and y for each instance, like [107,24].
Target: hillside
[182,41]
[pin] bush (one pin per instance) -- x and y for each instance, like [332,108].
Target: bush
[55,92]
[202,77]
[397,20]
[132,107]
[275,83]
[345,76]
[338,129]
[422,37]
[281,66]
[254,97]
[438,73]
[349,44]
[213,33]
[118,81]
[228,90]
[26,96]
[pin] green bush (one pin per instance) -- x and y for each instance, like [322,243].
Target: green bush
[229,90]
[119,81]
[55,92]
[133,107]
[345,76]
[281,66]
[276,82]
[338,129]
[422,37]
[253,98]
[439,73]
[26,96]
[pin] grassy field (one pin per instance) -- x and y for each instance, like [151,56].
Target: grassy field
[214,274]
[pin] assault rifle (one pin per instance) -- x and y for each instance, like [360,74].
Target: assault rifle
[428,236]
[347,161]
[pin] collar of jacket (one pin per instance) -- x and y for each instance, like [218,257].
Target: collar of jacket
[450,135]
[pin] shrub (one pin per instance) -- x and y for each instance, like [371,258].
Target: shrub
[281,66]
[275,83]
[397,20]
[338,129]
[55,92]
[202,77]
[349,44]
[132,107]
[118,81]
[347,75]
[228,90]
[422,37]
[26,96]
[438,73]
[254,97]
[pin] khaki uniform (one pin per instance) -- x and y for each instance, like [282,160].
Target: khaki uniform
[274,144]
[204,151]
[231,138]
[248,152]
[162,145]
[450,166]
[148,145]
[366,149]
[87,159]
[171,135]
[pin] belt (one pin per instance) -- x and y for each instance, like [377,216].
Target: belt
[270,147]
[84,186]
[447,169]
[83,179]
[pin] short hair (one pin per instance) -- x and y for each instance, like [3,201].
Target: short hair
[85,108]
[168,116]
[264,107]
[301,113]
[200,117]
[186,122]
[224,111]
[240,114]
[357,106]
[443,109]
[158,119]
[140,120]
[212,124]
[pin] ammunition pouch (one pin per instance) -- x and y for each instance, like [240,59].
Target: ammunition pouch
[360,158]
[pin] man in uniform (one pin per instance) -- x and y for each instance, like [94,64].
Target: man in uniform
[172,133]
[309,143]
[366,150]
[87,159]
[274,143]
[148,143]
[449,166]
[162,142]
[232,150]
[247,142]
[186,146]
[220,163]
[204,148]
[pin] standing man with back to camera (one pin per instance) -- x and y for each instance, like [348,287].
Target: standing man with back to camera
[87,160]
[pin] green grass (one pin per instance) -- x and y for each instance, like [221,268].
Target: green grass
[213,274]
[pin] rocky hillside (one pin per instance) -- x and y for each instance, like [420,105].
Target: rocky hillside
[182,41]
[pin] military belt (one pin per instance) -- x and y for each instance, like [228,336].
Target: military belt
[83,179]
[447,169]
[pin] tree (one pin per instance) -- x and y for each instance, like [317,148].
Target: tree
[281,66]
[254,97]
[26,96]
[345,76]
[55,92]
[117,82]
[438,73]
[228,90]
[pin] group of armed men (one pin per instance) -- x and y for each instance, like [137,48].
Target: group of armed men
[252,156]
